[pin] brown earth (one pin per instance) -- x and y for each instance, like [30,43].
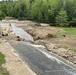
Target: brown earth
[55,40]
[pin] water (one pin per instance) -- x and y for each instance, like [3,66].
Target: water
[42,62]
[21,33]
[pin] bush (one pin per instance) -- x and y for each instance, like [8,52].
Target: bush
[2,59]
[2,15]
[3,71]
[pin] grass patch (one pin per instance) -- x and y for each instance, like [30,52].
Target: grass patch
[63,46]
[58,34]
[73,49]
[3,71]
[2,59]
[69,30]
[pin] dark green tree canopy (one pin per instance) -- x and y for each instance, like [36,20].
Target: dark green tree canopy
[2,15]
[62,18]
[48,11]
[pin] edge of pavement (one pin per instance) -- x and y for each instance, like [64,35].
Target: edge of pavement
[29,70]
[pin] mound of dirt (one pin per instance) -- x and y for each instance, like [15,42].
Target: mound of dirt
[42,33]
[63,52]
[48,37]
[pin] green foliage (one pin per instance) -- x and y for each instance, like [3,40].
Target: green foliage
[3,71]
[2,59]
[44,10]
[22,10]
[2,15]
[48,11]
[73,22]
[62,19]
[70,30]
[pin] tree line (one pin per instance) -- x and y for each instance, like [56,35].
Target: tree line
[57,12]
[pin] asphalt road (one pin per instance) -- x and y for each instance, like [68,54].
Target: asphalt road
[42,62]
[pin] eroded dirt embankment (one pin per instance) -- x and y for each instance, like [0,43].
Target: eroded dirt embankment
[55,40]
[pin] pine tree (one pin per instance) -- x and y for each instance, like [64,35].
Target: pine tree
[62,18]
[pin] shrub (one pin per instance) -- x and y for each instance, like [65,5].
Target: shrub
[2,59]
[3,71]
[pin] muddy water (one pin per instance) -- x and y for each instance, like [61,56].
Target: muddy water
[21,33]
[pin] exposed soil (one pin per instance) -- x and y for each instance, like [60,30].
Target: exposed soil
[62,45]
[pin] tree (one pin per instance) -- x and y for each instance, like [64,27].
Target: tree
[48,11]
[54,7]
[2,15]
[22,10]
[28,8]
[62,18]
[69,7]
[35,12]
[15,9]
[3,7]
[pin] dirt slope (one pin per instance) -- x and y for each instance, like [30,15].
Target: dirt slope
[62,45]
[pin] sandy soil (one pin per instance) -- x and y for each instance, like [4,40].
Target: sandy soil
[14,64]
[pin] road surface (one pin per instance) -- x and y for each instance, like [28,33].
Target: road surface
[42,62]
